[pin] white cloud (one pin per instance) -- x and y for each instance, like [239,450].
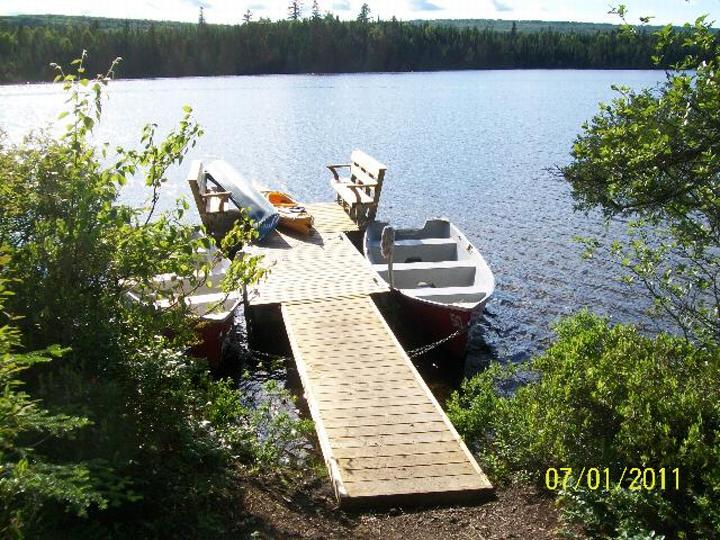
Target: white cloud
[424,5]
[501,6]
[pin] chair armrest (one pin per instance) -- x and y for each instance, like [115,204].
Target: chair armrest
[365,185]
[333,167]
[222,195]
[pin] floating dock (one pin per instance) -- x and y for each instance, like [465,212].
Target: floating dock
[384,437]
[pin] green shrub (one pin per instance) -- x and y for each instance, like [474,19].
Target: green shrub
[29,481]
[607,396]
[166,441]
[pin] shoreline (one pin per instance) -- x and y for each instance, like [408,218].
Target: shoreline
[336,73]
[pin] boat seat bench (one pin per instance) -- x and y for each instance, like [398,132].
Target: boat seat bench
[425,265]
[418,242]
[425,242]
[440,274]
[425,250]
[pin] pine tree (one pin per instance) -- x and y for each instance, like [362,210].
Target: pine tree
[247,17]
[315,11]
[364,15]
[295,10]
[201,18]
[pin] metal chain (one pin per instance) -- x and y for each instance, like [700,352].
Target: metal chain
[270,356]
[419,351]
[434,345]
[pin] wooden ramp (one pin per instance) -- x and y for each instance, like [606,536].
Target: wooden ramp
[383,434]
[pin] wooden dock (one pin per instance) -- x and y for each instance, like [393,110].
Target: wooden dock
[384,436]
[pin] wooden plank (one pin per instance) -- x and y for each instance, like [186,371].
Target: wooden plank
[344,318]
[410,471]
[379,356]
[410,394]
[339,366]
[340,326]
[356,390]
[349,343]
[358,359]
[380,371]
[430,458]
[349,336]
[414,485]
[329,217]
[362,441]
[386,429]
[370,412]
[397,380]
[409,418]
[352,367]
[376,402]
[318,307]
[410,449]
[354,386]
[341,323]
[321,348]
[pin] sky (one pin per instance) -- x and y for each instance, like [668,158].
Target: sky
[231,11]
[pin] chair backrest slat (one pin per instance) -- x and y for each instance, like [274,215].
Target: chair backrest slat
[364,168]
[198,185]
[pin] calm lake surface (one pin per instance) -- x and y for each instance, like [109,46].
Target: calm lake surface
[473,146]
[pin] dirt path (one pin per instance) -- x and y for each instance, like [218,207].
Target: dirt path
[310,512]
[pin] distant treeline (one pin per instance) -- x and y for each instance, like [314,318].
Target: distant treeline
[524,26]
[320,45]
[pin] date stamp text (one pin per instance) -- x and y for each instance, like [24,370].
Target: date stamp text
[603,478]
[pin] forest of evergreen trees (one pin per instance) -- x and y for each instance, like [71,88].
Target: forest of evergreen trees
[315,45]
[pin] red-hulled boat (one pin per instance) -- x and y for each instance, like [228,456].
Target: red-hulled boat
[436,272]
[212,308]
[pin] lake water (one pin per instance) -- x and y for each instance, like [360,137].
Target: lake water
[476,147]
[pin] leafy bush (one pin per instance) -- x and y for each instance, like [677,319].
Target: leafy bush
[651,157]
[28,479]
[608,397]
[166,441]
